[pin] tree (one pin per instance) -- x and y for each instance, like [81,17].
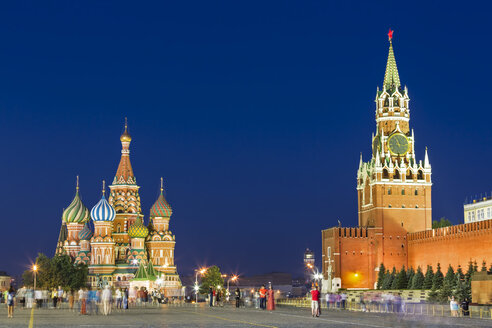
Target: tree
[211,279]
[429,276]
[400,281]
[470,271]
[381,273]
[438,278]
[57,271]
[448,285]
[443,222]
[388,278]
[484,266]
[462,292]
[450,277]
[410,274]
[418,279]
[475,266]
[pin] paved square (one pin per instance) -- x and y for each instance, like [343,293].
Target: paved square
[205,317]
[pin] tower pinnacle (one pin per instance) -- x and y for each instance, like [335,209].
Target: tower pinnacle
[391,77]
[124,174]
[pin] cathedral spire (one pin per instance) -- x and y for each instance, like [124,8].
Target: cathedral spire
[426,160]
[391,77]
[124,174]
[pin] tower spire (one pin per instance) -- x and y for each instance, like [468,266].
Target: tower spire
[162,185]
[391,77]
[104,187]
[124,173]
[77,187]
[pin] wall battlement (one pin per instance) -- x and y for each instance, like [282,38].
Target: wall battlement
[459,230]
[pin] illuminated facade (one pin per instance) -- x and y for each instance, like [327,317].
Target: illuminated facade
[394,206]
[478,210]
[120,242]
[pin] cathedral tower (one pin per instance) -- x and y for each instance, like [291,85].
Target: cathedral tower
[394,188]
[102,262]
[74,217]
[161,240]
[124,196]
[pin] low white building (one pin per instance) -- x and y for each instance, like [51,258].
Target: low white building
[478,210]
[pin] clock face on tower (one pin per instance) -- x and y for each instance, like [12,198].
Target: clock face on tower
[398,144]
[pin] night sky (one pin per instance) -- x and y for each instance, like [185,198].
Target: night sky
[255,114]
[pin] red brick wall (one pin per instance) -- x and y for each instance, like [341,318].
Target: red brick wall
[455,245]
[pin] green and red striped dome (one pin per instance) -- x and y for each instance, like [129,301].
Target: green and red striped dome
[161,208]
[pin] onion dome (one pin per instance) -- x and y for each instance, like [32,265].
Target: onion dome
[76,212]
[86,233]
[161,207]
[125,137]
[102,211]
[138,229]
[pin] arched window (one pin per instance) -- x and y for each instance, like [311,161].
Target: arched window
[389,191]
[409,174]
[420,175]
[385,174]
[403,191]
[397,175]
[416,192]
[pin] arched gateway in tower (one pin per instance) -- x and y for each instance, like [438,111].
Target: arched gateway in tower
[394,195]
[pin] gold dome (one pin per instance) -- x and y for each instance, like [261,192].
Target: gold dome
[125,137]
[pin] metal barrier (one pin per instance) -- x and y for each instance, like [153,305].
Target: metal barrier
[438,310]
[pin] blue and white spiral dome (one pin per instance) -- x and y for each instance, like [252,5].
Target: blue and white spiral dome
[103,211]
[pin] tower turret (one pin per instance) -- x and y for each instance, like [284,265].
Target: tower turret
[74,216]
[124,196]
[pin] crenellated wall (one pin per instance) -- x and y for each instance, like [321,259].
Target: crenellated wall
[455,245]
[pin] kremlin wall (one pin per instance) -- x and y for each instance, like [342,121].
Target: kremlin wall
[395,206]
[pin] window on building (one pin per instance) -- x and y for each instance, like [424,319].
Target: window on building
[473,216]
[420,175]
[397,175]
[488,212]
[403,191]
[389,191]
[416,192]
[385,174]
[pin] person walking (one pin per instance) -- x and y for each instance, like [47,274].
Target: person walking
[71,298]
[10,302]
[119,296]
[125,299]
[106,299]
[263,293]
[271,299]
[315,301]
[237,295]
[211,296]
[453,306]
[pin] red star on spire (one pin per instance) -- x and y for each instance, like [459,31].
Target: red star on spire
[390,34]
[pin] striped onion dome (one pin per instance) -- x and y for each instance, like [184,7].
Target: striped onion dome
[138,230]
[102,211]
[76,212]
[161,207]
[86,233]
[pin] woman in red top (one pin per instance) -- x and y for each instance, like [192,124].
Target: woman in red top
[315,301]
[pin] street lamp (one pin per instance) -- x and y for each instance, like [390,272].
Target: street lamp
[233,278]
[34,271]
[202,272]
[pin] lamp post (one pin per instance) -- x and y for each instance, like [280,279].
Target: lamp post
[34,271]
[233,278]
[198,271]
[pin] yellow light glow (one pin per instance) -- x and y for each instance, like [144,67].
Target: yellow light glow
[34,267]
[234,278]
[356,275]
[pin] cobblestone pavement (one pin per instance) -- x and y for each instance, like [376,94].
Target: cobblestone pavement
[204,317]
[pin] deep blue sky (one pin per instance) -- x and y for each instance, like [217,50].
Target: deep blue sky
[253,112]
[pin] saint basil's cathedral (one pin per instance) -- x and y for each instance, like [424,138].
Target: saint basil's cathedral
[120,249]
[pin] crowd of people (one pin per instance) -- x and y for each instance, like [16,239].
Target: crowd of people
[373,301]
[84,301]
[261,298]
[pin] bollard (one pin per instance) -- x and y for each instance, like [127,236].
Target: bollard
[480,313]
[442,310]
[433,312]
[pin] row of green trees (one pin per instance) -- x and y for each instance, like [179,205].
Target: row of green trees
[56,271]
[457,284]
